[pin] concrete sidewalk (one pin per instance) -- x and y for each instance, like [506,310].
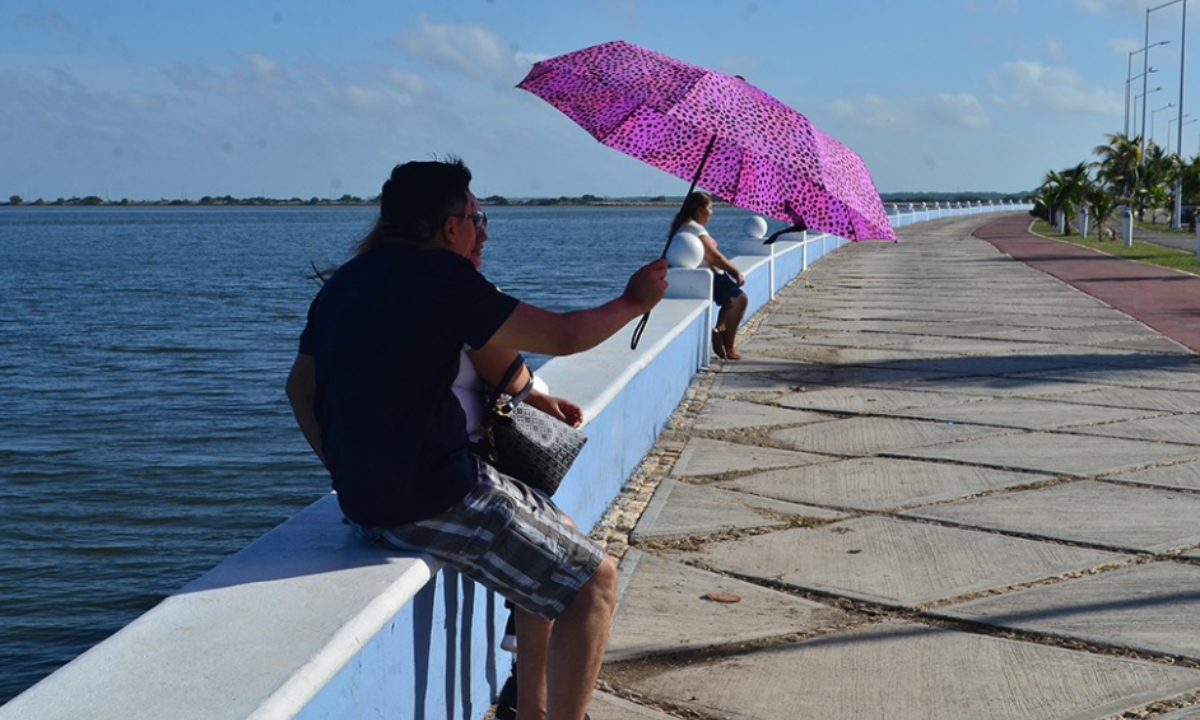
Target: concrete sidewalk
[940,484]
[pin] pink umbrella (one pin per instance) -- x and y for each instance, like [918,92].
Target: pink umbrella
[715,130]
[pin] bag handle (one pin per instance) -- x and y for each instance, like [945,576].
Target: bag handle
[506,409]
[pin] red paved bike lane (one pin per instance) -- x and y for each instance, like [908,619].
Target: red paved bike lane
[1166,300]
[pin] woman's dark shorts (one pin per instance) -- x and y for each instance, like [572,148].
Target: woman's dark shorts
[725,288]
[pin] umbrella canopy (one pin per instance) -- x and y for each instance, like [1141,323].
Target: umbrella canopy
[715,130]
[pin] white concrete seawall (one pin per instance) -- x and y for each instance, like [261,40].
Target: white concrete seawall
[307,622]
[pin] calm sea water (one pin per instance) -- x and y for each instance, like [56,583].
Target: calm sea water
[144,434]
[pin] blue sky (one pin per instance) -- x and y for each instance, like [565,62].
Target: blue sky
[146,100]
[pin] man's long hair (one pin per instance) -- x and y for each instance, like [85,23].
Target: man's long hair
[416,200]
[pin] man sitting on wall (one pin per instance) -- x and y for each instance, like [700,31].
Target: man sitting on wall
[370,388]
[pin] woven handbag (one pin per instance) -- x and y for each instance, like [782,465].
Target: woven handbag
[524,442]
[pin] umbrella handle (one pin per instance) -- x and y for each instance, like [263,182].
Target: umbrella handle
[637,332]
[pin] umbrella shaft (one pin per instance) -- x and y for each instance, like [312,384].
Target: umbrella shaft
[695,178]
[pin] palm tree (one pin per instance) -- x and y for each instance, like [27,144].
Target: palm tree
[1173,167]
[1050,196]
[1101,203]
[1044,203]
[1119,166]
[1155,176]
[1063,195]
[1190,172]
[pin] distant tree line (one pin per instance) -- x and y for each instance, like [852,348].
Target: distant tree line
[93,200]
[956,197]
[564,200]
[580,200]
[210,200]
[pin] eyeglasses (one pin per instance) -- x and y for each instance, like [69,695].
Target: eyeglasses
[478,219]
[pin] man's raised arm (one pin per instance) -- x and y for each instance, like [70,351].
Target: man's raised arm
[533,329]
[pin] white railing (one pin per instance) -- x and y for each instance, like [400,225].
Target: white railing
[307,622]
[909,213]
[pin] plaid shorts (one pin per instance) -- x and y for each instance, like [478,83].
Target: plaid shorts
[508,538]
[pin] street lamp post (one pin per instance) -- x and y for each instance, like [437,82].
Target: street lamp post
[1130,77]
[1176,219]
[1154,118]
[1127,224]
[1142,98]
[1127,82]
[1178,150]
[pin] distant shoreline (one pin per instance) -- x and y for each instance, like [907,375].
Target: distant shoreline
[491,201]
[323,202]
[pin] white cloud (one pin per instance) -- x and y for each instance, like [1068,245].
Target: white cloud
[961,110]
[48,19]
[471,50]
[527,59]
[200,78]
[1054,48]
[260,87]
[1101,7]
[875,113]
[1123,47]
[266,72]
[745,65]
[1030,85]
[407,82]
[370,100]
[624,13]
[994,6]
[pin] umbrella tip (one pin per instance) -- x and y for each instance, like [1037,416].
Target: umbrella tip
[800,226]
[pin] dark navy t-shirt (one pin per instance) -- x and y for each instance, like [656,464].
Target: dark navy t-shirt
[385,332]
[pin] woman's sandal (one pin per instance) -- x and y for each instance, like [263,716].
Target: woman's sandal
[718,344]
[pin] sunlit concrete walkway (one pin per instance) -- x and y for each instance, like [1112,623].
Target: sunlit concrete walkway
[942,483]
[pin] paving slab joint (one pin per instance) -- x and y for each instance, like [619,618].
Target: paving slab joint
[1021,534]
[616,673]
[1164,708]
[869,612]
[664,706]
[865,612]
[933,606]
[612,531]
[1143,486]
[698,541]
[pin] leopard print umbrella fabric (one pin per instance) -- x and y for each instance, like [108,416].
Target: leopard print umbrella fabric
[766,157]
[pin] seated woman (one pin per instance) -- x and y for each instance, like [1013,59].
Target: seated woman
[488,364]
[727,279]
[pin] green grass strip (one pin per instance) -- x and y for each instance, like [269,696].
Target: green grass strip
[1142,252]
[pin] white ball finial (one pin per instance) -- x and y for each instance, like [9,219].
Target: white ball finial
[755,227]
[685,251]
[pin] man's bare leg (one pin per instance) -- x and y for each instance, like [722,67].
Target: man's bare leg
[576,649]
[533,637]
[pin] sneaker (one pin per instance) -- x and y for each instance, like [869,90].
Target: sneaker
[509,641]
[506,704]
[505,712]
